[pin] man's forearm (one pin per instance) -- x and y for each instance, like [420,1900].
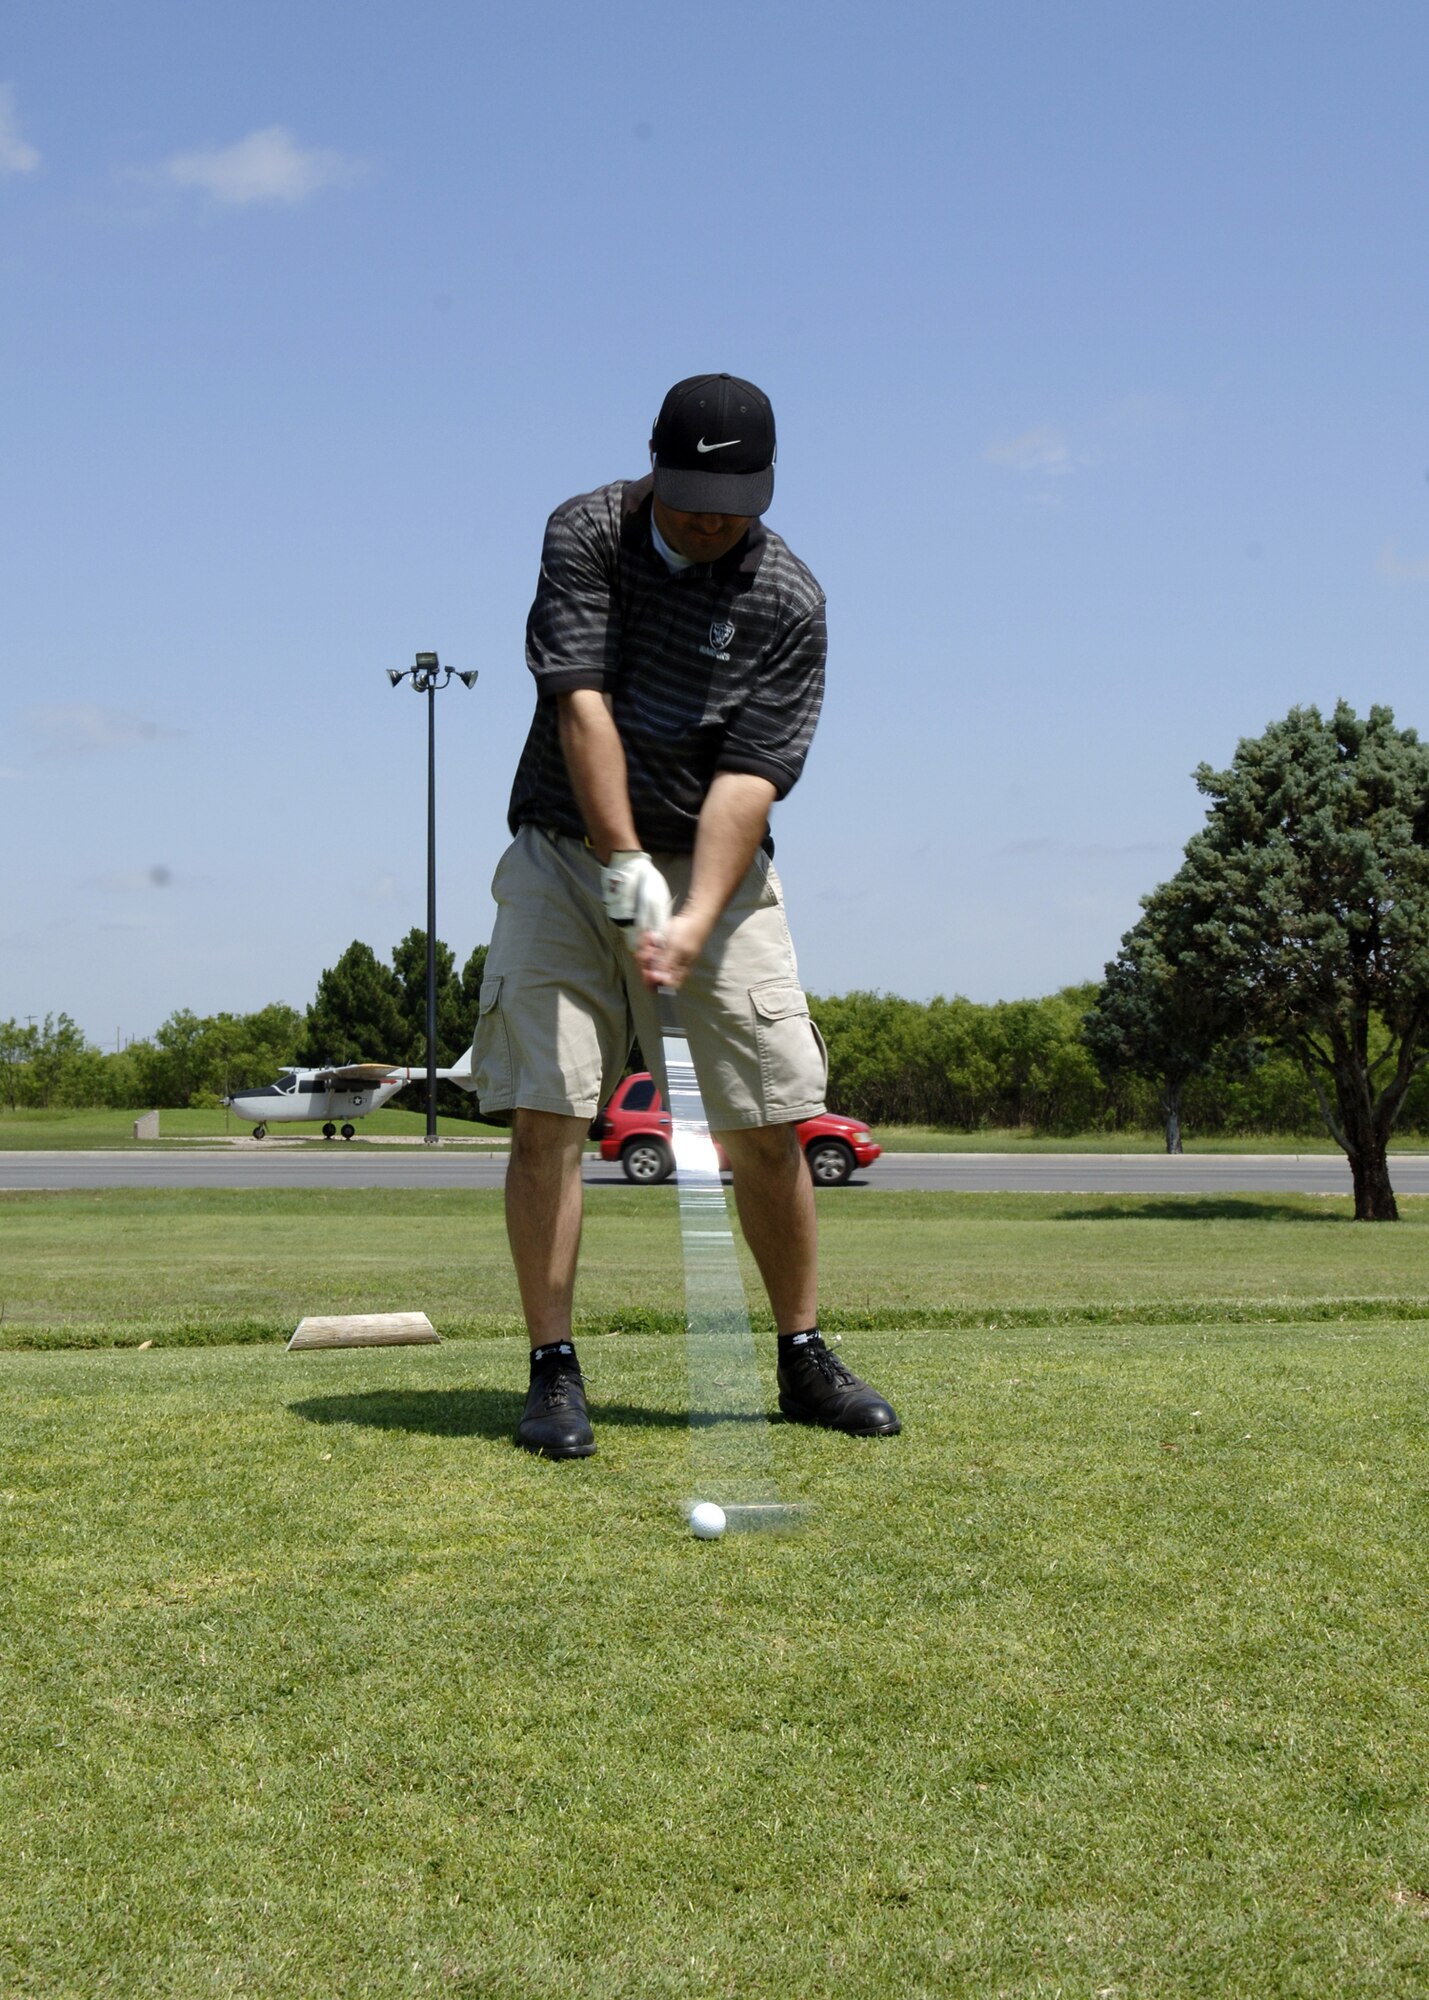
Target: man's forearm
[733,821]
[595,764]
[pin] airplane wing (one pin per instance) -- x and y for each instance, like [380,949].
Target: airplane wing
[349,1073]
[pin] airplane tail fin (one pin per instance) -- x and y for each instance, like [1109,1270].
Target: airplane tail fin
[460,1072]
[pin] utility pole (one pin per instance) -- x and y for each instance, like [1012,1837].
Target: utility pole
[428,674]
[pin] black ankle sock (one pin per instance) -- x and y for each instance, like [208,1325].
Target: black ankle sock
[790,1343]
[555,1350]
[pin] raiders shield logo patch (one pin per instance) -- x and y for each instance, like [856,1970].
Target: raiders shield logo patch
[721,632]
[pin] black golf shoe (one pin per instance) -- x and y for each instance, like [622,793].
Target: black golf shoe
[554,1423]
[815,1387]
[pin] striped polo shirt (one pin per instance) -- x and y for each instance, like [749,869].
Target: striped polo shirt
[718,667]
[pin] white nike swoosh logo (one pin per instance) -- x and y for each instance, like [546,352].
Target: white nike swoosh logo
[702,446]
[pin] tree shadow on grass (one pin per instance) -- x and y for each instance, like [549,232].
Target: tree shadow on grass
[486,1413]
[1208,1208]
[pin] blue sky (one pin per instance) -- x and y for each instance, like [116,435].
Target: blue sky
[1097,337]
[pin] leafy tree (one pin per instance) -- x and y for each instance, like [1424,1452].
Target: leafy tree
[456,1011]
[1153,1017]
[120,1085]
[1304,902]
[472,974]
[201,1058]
[879,1066]
[358,1013]
[1260,1089]
[270,1039]
[955,1063]
[455,1102]
[235,1049]
[17,1052]
[1047,1079]
[367,1011]
[409,962]
[64,1067]
[172,1066]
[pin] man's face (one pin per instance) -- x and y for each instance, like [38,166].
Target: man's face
[701,538]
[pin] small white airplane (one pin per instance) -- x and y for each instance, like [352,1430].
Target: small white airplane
[334,1091]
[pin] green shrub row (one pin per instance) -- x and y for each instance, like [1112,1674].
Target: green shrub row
[957,1064]
[970,1067]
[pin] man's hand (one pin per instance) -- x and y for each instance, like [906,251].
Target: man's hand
[636,895]
[733,821]
[665,957]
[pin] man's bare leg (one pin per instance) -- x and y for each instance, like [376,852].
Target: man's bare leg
[775,1199]
[543,1217]
[543,1224]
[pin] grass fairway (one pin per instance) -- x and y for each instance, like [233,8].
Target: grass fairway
[1107,1677]
[1018,1139]
[107,1131]
[87,1130]
[186,1267]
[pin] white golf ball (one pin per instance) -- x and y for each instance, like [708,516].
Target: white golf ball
[707,1521]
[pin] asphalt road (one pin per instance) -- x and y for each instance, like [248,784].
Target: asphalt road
[1049,1173]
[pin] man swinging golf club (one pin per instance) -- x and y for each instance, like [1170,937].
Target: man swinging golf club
[678,651]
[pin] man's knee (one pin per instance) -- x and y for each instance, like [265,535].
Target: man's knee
[544,1135]
[764,1148]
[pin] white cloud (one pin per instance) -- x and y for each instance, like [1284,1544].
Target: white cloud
[1395,568]
[1045,450]
[79,728]
[16,155]
[268,165]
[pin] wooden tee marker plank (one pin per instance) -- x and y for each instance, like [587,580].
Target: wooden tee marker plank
[364,1330]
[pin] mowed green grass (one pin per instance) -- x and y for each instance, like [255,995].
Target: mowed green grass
[1018,1139]
[106,1130]
[183,1267]
[93,1128]
[1107,1677]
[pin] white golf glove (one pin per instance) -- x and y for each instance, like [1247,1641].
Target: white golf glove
[635,893]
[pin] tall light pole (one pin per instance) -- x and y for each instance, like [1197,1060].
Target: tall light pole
[427,675]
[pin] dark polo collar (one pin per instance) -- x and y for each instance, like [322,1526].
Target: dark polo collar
[635,510]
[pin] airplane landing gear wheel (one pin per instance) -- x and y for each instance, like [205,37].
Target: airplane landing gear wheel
[329,1131]
[349,1131]
[260,1131]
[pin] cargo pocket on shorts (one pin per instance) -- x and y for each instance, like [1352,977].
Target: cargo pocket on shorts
[823,1048]
[791,1058]
[491,1052]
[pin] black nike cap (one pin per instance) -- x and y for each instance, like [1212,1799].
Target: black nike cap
[713,445]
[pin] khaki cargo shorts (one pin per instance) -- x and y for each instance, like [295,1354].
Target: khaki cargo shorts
[562,1000]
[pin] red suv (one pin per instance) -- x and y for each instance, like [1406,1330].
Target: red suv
[634,1128]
